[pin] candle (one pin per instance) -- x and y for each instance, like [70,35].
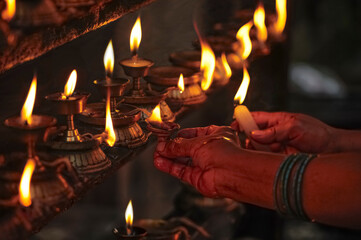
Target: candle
[242,114]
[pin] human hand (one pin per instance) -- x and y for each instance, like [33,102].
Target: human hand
[292,132]
[202,157]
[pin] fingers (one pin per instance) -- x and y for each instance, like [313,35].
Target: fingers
[267,119]
[235,126]
[278,133]
[179,147]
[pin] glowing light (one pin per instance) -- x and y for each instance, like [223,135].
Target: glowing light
[242,91]
[226,67]
[109,59]
[245,40]
[9,12]
[70,85]
[181,83]
[28,106]
[281,7]
[109,124]
[208,64]
[24,187]
[136,36]
[155,117]
[129,217]
[259,22]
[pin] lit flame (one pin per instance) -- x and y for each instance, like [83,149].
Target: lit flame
[245,40]
[259,21]
[9,11]
[109,59]
[226,66]
[129,217]
[109,123]
[208,64]
[181,83]
[281,7]
[135,36]
[155,117]
[24,187]
[242,91]
[27,109]
[70,85]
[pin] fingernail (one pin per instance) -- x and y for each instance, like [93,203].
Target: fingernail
[158,162]
[161,146]
[256,133]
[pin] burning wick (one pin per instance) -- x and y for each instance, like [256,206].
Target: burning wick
[163,130]
[24,187]
[109,61]
[135,38]
[244,40]
[70,85]
[242,114]
[109,129]
[181,83]
[259,22]
[129,218]
[28,106]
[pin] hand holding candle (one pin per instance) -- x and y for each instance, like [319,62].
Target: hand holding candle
[242,114]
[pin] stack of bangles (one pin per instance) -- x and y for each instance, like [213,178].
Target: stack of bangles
[287,188]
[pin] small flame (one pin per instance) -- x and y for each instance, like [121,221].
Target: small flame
[281,7]
[259,21]
[109,123]
[28,107]
[70,85]
[226,66]
[155,117]
[208,64]
[129,217]
[242,91]
[109,59]
[181,83]
[245,40]
[9,11]
[24,187]
[136,36]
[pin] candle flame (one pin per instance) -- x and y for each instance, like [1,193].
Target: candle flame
[9,12]
[129,216]
[136,36]
[259,22]
[109,123]
[28,106]
[24,187]
[281,7]
[226,66]
[245,40]
[181,83]
[109,59]
[70,85]
[208,64]
[156,116]
[242,91]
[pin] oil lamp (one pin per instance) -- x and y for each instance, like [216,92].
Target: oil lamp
[122,118]
[187,58]
[138,68]
[69,103]
[242,114]
[163,130]
[187,92]
[129,231]
[218,43]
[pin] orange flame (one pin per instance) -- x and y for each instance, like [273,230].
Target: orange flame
[156,116]
[9,11]
[28,107]
[181,83]
[245,40]
[109,123]
[109,59]
[24,187]
[281,7]
[208,64]
[226,66]
[136,36]
[129,217]
[242,91]
[70,85]
[259,21]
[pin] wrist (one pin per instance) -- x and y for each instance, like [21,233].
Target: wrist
[346,141]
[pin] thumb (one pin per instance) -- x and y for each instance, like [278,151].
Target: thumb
[270,135]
